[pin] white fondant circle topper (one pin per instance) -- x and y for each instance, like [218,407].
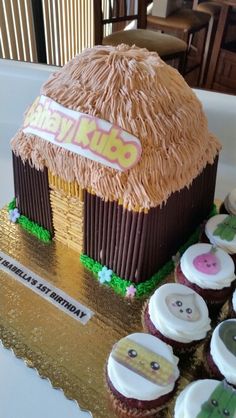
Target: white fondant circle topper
[221,231]
[83,134]
[234,301]
[206,398]
[207,266]
[223,349]
[179,313]
[142,367]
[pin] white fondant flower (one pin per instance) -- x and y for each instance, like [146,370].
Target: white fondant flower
[105,275]
[14,214]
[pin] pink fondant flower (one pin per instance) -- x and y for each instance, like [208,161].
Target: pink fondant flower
[14,214]
[130,291]
[105,275]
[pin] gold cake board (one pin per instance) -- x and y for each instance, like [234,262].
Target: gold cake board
[71,355]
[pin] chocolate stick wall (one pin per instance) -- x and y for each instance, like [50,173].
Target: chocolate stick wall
[32,193]
[136,244]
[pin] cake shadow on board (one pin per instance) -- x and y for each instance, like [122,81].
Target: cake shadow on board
[115,160]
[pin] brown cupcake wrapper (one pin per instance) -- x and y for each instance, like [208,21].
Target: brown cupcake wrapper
[124,410]
[120,408]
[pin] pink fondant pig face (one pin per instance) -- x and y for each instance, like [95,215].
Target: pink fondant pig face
[207,263]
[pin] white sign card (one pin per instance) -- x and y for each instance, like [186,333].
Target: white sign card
[45,289]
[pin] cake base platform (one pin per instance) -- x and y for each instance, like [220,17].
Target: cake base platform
[71,355]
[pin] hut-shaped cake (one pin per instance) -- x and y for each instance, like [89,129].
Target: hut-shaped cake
[129,210]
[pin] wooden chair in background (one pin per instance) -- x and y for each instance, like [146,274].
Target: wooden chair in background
[184,23]
[213,9]
[117,13]
[220,72]
[222,67]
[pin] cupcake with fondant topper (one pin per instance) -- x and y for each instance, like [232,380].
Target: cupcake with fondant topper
[221,352]
[206,399]
[229,204]
[141,375]
[220,231]
[209,271]
[233,305]
[229,308]
[177,315]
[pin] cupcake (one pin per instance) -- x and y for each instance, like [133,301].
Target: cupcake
[229,205]
[177,315]
[221,356]
[206,399]
[141,375]
[220,230]
[209,271]
[233,305]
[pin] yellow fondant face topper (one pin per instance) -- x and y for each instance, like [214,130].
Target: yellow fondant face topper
[152,366]
[83,134]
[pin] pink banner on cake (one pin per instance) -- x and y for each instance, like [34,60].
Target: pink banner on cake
[82,134]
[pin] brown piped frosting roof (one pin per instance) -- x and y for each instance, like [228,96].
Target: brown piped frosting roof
[134,89]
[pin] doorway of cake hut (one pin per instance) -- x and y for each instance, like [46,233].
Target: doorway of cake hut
[67,206]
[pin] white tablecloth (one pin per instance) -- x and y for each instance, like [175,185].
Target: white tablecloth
[24,395]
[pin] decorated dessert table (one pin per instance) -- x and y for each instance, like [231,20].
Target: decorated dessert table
[65,327]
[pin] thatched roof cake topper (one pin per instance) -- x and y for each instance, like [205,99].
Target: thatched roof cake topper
[134,89]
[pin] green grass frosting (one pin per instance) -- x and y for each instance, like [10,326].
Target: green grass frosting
[30,226]
[120,285]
